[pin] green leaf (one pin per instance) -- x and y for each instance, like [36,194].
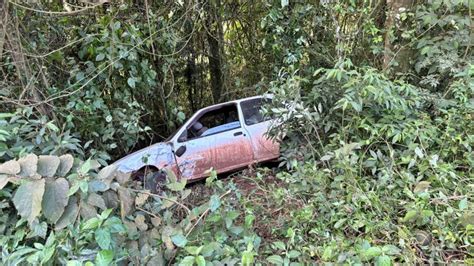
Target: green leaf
[383,260]
[275,259]
[48,165]
[85,167]
[293,254]
[55,199]
[103,238]
[11,167]
[410,215]
[69,215]
[372,252]
[52,126]
[38,229]
[247,258]
[107,172]
[100,57]
[279,245]
[214,203]
[179,240]
[463,204]
[193,250]
[73,263]
[3,180]
[391,250]
[28,199]
[65,164]
[177,186]
[104,258]
[200,261]
[187,261]
[84,186]
[422,186]
[131,82]
[28,165]
[92,223]
[419,153]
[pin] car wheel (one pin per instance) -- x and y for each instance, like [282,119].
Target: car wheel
[154,180]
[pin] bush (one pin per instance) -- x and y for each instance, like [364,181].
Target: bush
[109,217]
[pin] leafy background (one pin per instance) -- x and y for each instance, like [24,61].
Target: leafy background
[377,163]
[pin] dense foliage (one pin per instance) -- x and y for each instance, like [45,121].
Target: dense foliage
[376,100]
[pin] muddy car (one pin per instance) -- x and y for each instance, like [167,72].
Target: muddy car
[226,137]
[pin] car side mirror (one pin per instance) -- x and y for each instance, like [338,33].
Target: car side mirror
[180,151]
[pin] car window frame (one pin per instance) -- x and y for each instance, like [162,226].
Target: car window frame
[261,99]
[201,113]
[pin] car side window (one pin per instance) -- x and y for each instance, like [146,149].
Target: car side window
[252,111]
[212,122]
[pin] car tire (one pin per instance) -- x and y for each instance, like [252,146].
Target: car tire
[154,180]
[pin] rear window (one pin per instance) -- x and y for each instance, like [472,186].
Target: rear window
[252,111]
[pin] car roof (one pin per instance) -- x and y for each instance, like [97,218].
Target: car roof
[237,101]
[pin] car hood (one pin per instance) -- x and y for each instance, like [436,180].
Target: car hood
[158,155]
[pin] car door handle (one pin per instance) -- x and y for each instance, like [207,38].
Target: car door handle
[238,133]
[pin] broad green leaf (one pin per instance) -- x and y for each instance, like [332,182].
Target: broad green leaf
[247,258]
[214,203]
[115,225]
[383,260]
[52,126]
[279,245]
[187,261]
[85,167]
[100,57]
[410,215]
[275,259]
[177,186]
[69,215]
[179,240]
[11,167]
[104,258]
[391,250]
[422,186]
[92,223]
[48,165]
[73,263]
[107,172]
[193,250]
[3,180]
[103,238]
[419,153]
[65,164]
[55,199]
[293,254]
[372,252]
[38,229]
[97,201]
[28,198]
[200,261]
[28,165]
[463,204]
[131,82]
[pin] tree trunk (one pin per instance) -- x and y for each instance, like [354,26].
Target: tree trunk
[3,24]
[215,41]
[396,51]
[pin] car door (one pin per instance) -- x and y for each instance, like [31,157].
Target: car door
[257,127]
[197,158]
[218,141]
[231,150]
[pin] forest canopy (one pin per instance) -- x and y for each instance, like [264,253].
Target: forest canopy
[376,164]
